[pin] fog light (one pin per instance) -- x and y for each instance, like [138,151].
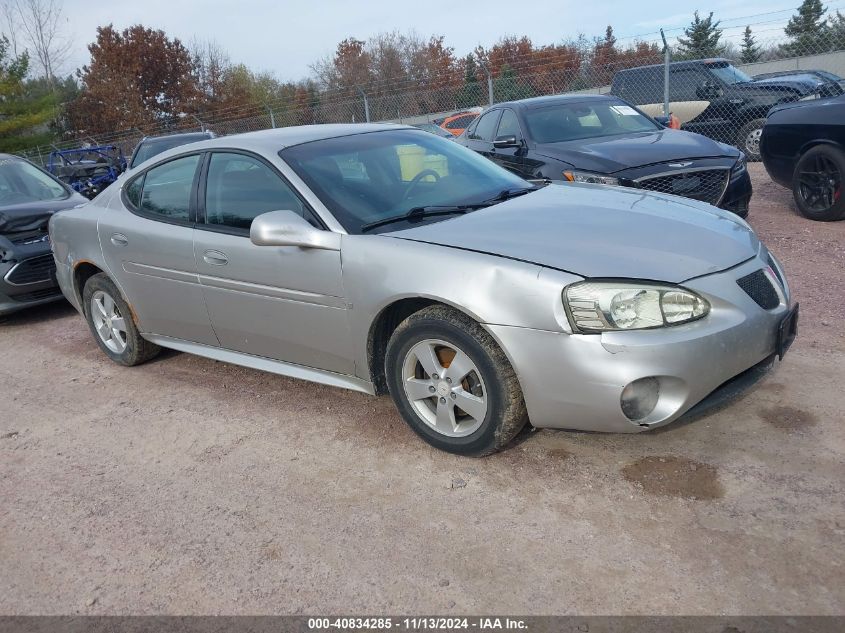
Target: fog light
[639,398]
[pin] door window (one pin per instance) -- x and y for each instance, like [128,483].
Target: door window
[166,191]
[486,127]
[509,125]
[239,188]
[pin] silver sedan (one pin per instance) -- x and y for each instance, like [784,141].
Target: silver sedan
[387,260]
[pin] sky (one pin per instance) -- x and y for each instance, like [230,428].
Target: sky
[285,37]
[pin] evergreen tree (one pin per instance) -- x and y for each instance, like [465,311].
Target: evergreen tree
[750,51]
[808,30]
[702,39]
[471,93]
[26,110]
[507,87]
[837,32]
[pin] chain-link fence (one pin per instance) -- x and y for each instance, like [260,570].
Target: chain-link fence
[723,92]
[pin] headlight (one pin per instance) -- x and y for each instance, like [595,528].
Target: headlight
[606,306]
[741,164]
[585,176]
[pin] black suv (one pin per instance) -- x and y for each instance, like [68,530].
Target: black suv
[712,97]
[153,145]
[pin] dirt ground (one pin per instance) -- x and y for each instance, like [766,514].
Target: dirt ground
[189,486]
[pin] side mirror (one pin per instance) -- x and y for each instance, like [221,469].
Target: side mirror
[506,141]
[708,90]
[286,228]
[662,120]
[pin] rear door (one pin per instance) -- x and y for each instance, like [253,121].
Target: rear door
[148,247]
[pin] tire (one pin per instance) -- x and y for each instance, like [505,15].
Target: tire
[820,170]
[103,306]
[748,138]
[449,343]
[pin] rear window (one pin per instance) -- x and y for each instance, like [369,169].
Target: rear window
[148,149]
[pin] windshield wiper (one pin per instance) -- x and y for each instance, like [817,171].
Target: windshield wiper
[422,212]
[507,194]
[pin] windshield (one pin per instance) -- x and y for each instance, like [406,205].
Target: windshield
[570,121]
[365,178]
[728,74]
[21,182]
[153,148]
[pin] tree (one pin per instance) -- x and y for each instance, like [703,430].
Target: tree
[136,78]
[26,113]
[807,29]
[837,32]
[750,51]
[471,93]
[702,39]
[507,87]
[40,22]
[604,58]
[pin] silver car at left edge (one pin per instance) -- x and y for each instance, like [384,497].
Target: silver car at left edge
[383,259]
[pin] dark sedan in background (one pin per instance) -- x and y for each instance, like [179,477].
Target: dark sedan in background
[28,197]
[154,145]
[603,139]
[803,148]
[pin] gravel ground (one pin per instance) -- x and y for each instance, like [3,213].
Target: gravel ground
[188,486]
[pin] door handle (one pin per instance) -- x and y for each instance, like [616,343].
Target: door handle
[215,258]
[119,239]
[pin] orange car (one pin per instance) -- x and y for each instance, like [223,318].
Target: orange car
[457,123]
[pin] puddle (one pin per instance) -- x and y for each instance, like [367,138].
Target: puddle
[672,476]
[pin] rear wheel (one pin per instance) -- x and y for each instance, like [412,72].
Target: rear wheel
[817,184]
[112,325]
[453,384]
[748,139]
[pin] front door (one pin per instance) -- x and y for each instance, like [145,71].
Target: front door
[149,251]
[280,302]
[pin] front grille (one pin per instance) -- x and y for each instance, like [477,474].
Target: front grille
[33,271]
[706,185]
[37,295]
[758,286]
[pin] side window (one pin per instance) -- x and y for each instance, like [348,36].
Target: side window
[133,191]
[240,187]
[486,126]
[684,83]
[509,125]
[166,190]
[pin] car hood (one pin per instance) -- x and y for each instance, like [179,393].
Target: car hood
[30,216]
[615,153]
[596,231]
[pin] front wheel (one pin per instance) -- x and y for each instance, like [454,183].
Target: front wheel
[748,139]
[112,325]
[453,384]
[817,184]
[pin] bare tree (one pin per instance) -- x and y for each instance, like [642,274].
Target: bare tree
[41,25]
[9,24]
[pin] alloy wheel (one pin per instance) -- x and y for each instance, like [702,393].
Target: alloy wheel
[820,187]
[444,387]
[752,141]
[108,321]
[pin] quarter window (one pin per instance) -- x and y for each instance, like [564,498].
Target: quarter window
[240,188]
[166,189]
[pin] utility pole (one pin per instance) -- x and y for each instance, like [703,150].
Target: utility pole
[366,104]
[487,72]
[667,55]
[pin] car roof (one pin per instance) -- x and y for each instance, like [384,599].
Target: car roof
[273,140]
[183,135]
[279,138]
[538,102]
[691,62]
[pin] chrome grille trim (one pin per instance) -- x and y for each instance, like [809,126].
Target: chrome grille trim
[713,195]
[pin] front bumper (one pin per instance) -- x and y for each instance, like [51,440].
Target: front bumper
[18,292]
[575,381]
